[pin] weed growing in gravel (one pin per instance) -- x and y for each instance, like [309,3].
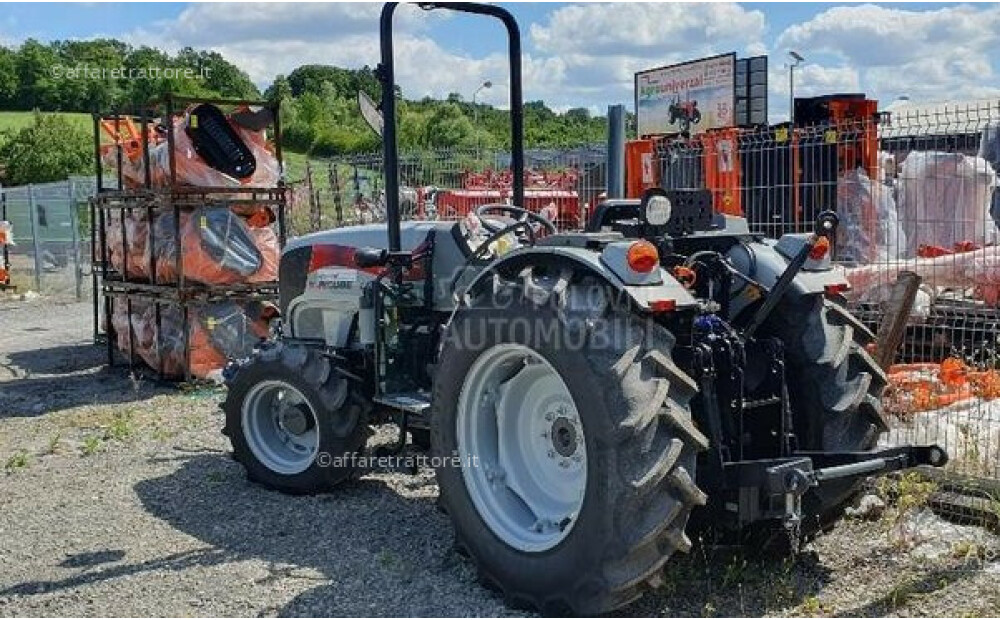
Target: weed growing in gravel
[54,443]
[122,426]
[91,445]
[19,460]
[905,495]
[163,434]
[967,550]
[811,606]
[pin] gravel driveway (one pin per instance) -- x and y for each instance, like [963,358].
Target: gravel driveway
[119,498]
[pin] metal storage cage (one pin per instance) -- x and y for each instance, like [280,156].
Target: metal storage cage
[162,204]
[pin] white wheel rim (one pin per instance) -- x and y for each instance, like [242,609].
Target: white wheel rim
[529,488]
[280,427]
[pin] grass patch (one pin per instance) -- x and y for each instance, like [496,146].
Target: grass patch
[16,121]
[91,445]
[122,426]
[54,443]
[18,460]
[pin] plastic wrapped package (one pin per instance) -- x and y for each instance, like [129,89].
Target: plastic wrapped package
[220,248]
[266,241]
[976,269]
[218,332]
[190,167]
[224,331]
[147,342]
[6,233]
[944,200]
[869,231]
[126,244]
[989,149]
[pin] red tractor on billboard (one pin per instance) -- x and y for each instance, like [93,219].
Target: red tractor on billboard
[684,113]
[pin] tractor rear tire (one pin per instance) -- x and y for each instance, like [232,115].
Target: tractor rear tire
[636,427]
[835,387]
[326,410]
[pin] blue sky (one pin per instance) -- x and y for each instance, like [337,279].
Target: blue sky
[576,55]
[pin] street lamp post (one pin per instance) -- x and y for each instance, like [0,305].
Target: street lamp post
[475,110]
[475,113]
[797,59]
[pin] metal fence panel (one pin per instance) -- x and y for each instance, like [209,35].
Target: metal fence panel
[916,191]
[51,223]
[446,183]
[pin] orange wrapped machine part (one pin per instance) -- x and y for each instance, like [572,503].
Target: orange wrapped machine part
[218,332]
[640,167]
[721,162]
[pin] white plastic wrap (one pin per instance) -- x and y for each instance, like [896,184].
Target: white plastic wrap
[6,233]
[978,270]
[869,230]
[944,199]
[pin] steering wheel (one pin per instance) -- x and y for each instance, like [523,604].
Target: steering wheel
[516,213]
[484,247]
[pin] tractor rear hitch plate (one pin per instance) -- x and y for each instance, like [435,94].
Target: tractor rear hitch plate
[769,488]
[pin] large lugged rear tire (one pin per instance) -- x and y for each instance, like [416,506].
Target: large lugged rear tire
[636,427]
[835,388]
[296,425]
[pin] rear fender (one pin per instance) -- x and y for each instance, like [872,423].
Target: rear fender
[664,287]
[765,261]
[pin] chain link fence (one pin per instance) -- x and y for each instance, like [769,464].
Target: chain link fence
[51,253]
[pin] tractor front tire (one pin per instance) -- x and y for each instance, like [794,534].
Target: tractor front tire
[630,408]
[295,423]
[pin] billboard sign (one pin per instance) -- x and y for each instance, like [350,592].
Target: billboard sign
[690,97]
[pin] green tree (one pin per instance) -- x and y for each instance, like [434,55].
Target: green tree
[447,126]
[50,149]
[8,78]
[218,74]
[38,85]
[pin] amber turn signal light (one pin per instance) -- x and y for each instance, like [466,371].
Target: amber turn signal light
[642,257]
[820,248]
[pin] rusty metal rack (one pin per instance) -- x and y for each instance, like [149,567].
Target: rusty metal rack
[121,284]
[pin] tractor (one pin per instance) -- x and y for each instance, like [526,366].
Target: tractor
[588,399]
[686,113]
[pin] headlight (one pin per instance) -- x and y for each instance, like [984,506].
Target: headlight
[658,210]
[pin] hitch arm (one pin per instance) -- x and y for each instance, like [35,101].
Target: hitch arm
[826,226]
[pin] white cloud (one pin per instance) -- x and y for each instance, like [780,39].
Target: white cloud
[647,30]
[602,46]
[928,55]
[267,40]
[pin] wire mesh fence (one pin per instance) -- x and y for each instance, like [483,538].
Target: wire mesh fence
[447,183]
[51,253]
[916,191]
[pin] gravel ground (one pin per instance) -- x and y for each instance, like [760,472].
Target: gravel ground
[119,498]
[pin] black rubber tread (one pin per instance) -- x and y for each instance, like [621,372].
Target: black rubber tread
[342,416]
[639,430]
[835,388]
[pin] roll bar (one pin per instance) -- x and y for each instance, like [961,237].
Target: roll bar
[386,75]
